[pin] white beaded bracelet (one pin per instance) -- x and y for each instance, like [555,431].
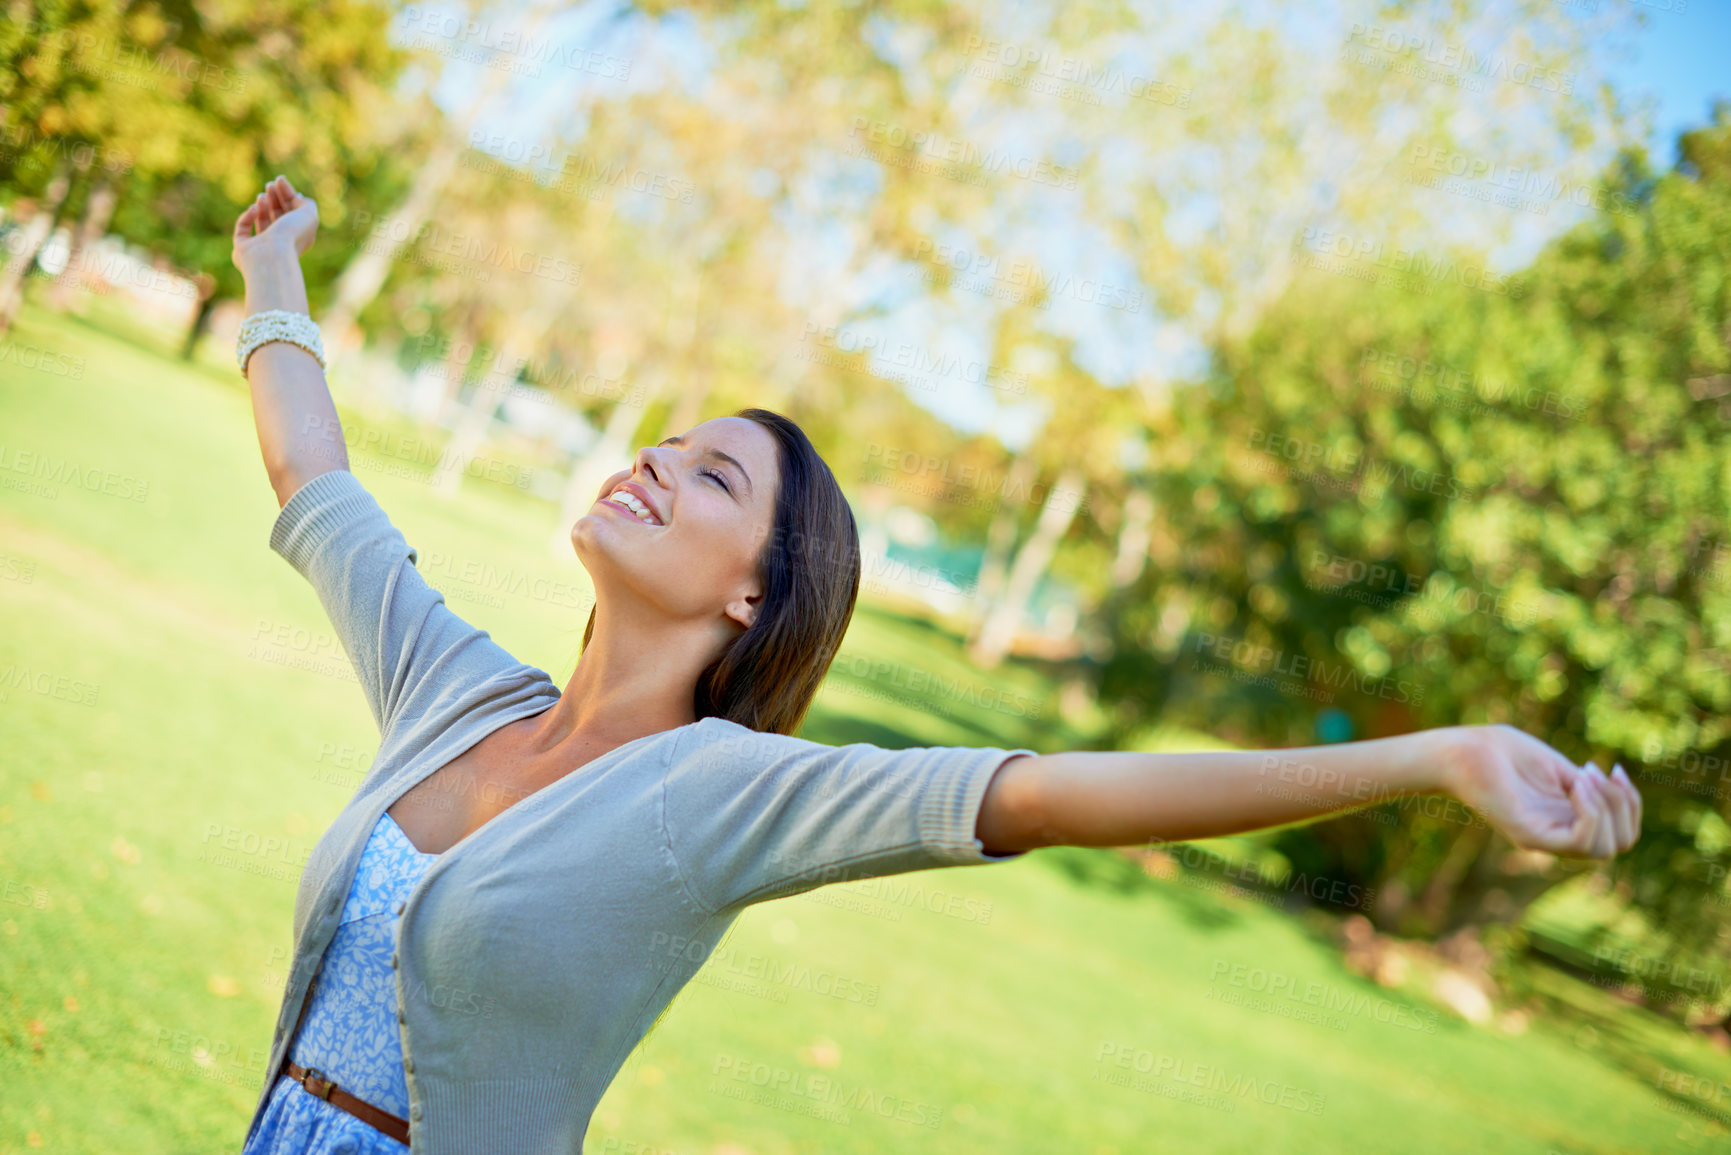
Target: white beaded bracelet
[278,325]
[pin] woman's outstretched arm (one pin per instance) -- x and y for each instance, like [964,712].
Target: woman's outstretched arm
[298,430]
[1517,783]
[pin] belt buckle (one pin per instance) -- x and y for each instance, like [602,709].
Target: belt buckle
[313,1073]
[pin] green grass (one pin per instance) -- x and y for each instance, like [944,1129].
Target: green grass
[139,979]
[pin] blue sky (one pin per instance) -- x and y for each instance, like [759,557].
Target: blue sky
[1681,60]
[1668,72]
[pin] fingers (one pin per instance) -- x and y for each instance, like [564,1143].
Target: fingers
[1619,814]
[281,195]
[1591,833]
[1620,778]
[243,223]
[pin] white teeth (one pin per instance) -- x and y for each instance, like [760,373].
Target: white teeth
[630,501]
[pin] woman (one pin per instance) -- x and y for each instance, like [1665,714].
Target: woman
[527,876]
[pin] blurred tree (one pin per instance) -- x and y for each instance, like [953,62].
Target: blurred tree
[1438,502]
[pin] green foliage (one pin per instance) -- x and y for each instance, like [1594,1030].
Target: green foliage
[1420,501]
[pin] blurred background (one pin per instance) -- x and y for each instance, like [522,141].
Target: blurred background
[1247,375]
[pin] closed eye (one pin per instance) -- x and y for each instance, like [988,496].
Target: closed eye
[719,480]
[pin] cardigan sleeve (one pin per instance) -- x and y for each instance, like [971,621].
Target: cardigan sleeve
[751,816]
[408,648]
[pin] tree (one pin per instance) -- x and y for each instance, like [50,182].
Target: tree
[1442,499]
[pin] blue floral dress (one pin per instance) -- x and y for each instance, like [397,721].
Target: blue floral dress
[350,1029]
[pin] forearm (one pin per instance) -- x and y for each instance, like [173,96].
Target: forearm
[1113,798]
[299,433]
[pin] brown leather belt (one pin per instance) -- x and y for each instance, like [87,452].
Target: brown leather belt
[315,1082]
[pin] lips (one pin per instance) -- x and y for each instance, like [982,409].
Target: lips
[639,493]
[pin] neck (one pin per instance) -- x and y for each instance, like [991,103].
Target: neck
[636,677]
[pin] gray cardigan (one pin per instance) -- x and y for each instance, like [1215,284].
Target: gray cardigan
[535,953]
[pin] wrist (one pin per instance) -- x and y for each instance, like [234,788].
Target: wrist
[273,280]
[265,255]
[1445,754]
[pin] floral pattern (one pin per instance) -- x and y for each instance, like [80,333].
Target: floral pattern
[350,1031]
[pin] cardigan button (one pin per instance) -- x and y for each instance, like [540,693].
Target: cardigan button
[409,1065]
[401,906]
[415,1111]
[393,960]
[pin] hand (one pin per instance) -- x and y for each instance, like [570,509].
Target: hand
[1539,799]
[279,219]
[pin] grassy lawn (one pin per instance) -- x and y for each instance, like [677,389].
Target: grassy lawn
[168,682]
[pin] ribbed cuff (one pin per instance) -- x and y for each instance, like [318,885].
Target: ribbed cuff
[950,809]
[318,509]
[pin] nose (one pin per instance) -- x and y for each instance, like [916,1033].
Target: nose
[649,461]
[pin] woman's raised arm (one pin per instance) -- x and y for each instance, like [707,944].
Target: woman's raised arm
[298,430]
[1519,785]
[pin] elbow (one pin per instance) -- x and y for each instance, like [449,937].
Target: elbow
[1015,814]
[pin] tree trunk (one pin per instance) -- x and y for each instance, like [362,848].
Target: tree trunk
[98,208]
[1000,539]
[365,275]
[457,357]
[34,233]
[1133,538]
[200,323]
[1005,619]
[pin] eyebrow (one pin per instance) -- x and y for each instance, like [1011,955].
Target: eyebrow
[727,457]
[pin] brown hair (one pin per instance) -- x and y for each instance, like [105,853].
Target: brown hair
[810,569]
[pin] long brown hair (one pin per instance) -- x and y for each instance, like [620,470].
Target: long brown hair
[810,569]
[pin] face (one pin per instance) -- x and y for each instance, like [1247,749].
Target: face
[713,492]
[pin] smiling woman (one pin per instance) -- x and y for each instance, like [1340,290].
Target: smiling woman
[553,855]
[782,552]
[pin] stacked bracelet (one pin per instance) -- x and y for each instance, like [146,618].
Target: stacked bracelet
[278,325]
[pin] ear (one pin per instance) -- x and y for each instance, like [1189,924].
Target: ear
[743,609]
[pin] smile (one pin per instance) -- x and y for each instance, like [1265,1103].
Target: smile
[629,502]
